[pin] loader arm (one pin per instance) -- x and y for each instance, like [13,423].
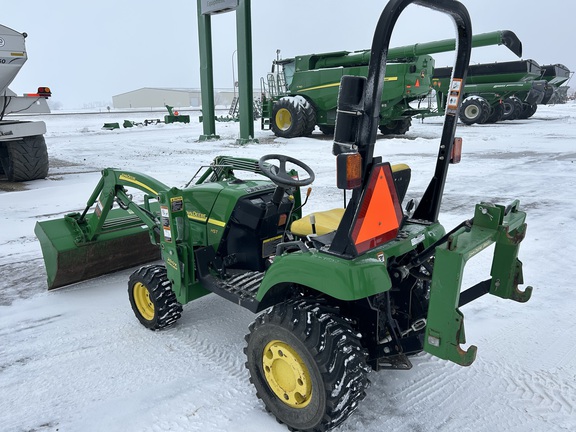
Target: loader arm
[85,245]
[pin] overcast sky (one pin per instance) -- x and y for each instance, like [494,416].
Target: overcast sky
[89,51]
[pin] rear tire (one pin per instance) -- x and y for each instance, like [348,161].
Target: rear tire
[307,365]
[25,159]
[152,299]
[288,118]
[474,109]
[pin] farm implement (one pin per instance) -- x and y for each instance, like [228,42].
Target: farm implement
[337,293]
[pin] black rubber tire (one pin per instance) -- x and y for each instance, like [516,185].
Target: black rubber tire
[25,159]
[496,113]
[528,110]
[330,351]
[512,108]
[310,116]
[396,127]
[327,129]
[474,109]
[288,118]
[166,309]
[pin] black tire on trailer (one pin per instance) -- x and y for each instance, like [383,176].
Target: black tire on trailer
[396,127]
[327,129]
[152,299]
[307,365]
[474,109]
[25,159]
[528,110]
[288,118]
[512,108]
[309,115]
[496,113]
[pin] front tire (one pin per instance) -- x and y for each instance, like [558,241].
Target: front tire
[474,109]
[288,118]
[307,365]
[152,299]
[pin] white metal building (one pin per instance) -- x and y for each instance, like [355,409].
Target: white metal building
[152,97]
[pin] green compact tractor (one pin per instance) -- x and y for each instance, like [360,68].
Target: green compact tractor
[301,93]
[339,292]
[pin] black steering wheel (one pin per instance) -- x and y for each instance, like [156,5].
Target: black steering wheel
[279,175]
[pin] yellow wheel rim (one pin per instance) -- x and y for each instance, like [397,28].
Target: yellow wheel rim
[286,374]
[283,119]
[143,302]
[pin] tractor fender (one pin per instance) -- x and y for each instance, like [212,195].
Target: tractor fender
[337,277]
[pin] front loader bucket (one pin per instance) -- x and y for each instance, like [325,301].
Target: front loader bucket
[123,243]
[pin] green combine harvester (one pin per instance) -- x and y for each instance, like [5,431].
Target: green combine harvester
[301,92]
[337,293]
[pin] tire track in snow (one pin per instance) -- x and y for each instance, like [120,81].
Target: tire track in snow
[439,395]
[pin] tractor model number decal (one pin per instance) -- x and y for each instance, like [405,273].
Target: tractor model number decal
[172,263]
[454,96]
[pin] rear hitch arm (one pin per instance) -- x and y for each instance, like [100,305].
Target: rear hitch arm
[492,224]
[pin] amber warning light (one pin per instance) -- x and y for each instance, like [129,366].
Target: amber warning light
[42,92]
[348,170]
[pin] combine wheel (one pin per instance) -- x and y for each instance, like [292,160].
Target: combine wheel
[512,108]
[25,159]
[396,127]
[288,118]
[475,109]
[309,114]
[152,299]
[307,365]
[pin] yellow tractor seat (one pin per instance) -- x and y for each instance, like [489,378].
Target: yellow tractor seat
[328,220]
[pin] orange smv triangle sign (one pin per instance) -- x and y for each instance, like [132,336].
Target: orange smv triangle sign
[380,214]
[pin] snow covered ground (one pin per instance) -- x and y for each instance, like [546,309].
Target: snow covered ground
[76,359]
